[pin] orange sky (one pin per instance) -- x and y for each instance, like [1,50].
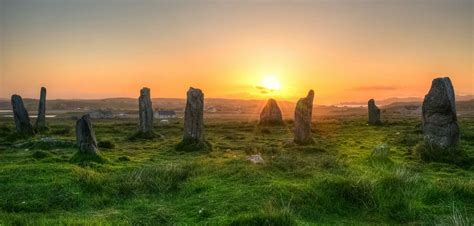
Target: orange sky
[344,50]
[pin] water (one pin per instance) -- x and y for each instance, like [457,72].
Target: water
[33,116]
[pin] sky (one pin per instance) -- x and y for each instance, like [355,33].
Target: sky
[345,50]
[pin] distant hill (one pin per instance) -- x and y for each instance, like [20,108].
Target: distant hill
[392,100]
[228,106]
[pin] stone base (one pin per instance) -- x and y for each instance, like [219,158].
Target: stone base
[271,123]
[82,158]
[429,152]
[376,123]
[190,145]
[145,136]
[41,129]
[304,142]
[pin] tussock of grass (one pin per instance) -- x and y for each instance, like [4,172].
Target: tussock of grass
[85,159]
[151,216]
[448,190]
[89,180]
[153,179]
[453,155]
[459,216]
[42,199]
[395,194]
[269,215]
[380,155]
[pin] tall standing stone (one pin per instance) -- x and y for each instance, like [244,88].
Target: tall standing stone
[303,116]
[85,136]
[440,124]
[271,114]
[374,113]
[41,119]
[193,138]
[145,112]
[21,117]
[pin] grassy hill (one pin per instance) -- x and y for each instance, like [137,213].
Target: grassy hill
[353,174]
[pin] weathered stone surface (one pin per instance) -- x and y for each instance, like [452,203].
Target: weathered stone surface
[85,136]
[145,111]
[193,138]
[194,115]
[303,116]
[271,114]
[41,119]
[374,113]
[21,117]
[440,126]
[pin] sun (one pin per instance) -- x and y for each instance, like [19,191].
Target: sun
[271,82]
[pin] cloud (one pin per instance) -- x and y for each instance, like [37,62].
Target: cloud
[375,88]
[263,90]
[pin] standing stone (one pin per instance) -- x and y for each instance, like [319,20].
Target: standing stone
[85,136]
[41,120]
[374,113]
[193,138]
[271,114]
[303,116]
[145,112]
[20,114]
[440,124]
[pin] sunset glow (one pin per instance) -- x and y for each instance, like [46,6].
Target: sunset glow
[271,83]
[344,50]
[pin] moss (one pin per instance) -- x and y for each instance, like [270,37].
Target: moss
[191,145]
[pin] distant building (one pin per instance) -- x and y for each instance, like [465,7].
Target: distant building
[165,114]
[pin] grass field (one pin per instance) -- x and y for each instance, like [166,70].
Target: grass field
[353,174]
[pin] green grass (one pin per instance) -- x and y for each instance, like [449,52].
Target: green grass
[352,174]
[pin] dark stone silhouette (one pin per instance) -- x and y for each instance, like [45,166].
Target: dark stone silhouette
[41,120]
[145,112]
[271,114]
[374,113]
[21,117]
[193,138]
[303,115]
[85,136]
[440,126]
